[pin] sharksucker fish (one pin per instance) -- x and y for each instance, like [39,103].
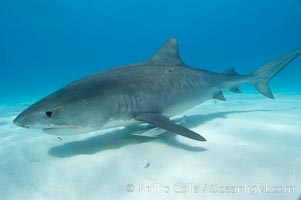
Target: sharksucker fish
[150,92]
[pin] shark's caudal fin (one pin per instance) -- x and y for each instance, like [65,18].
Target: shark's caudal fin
[264,74]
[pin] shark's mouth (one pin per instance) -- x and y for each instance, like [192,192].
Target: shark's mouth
[64,131]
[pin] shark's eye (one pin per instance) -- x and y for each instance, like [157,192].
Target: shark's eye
[48,113]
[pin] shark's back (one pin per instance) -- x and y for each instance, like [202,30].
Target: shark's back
[160,86]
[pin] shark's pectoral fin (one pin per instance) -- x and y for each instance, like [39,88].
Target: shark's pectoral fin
[164,123]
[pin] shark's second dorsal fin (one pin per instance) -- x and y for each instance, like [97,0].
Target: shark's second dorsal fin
[168,54]
[231,72]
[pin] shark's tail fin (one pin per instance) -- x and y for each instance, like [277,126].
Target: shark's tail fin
[264,74]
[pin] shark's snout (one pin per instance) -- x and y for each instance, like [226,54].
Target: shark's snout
[37,119]
[20,121]
[26,119]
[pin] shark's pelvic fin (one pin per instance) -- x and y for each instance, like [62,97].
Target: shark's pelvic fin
[264,74]
[163,122]
[235,90]
[168,54]
[220,96]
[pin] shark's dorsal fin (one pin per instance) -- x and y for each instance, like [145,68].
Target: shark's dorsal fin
[168,54]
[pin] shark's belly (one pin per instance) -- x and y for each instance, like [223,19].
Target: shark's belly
[175,101]
[177,92]
[167,108]
[184,104]
[169,97]
[114,123]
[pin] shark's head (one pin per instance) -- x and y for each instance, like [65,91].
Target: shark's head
[61,114]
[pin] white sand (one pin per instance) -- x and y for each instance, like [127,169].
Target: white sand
[253,142]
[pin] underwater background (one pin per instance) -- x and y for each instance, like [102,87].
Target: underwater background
[47,44]
[253,142]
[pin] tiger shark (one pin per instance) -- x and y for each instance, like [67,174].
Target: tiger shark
[149,92]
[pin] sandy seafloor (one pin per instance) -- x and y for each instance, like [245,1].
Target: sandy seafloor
[254,144]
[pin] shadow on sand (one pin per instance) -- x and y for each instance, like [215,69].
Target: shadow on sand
[119,138]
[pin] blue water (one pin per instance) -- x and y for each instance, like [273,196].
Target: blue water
[46,44]
[251,140]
